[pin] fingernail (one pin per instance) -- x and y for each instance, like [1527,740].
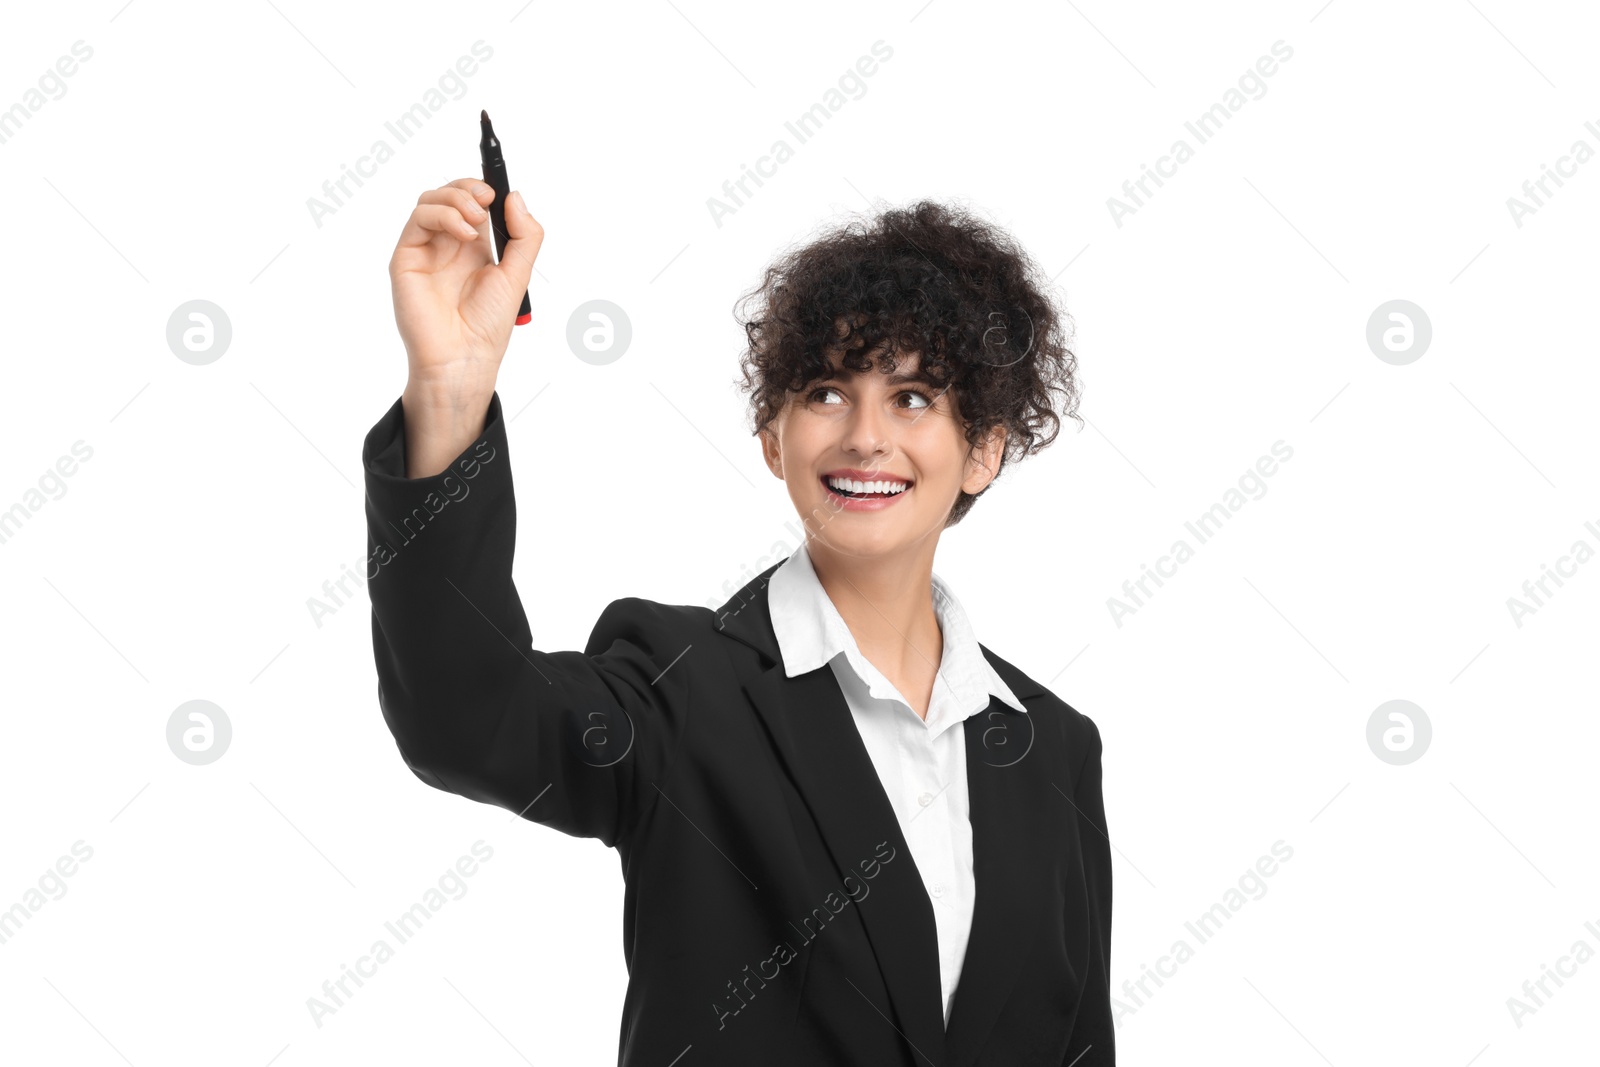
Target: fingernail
[516,202]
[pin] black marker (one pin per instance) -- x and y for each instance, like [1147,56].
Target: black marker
[494,172]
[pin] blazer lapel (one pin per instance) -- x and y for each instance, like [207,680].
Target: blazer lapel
[819,744]
[1012,809]
[817,739]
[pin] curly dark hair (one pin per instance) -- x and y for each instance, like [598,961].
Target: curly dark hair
[929,279]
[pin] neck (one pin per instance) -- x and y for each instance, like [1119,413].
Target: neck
[886,601]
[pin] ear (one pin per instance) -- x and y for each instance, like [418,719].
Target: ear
[983,461]
[771,452]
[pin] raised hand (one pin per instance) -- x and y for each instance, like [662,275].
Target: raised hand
[455,308]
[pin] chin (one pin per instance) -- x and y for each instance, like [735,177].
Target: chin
[849,535]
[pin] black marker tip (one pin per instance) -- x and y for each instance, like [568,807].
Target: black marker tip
[483,116]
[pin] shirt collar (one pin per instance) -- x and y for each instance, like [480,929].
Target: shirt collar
[811,632]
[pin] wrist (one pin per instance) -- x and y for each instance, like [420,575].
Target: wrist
[440,424]
[446,396]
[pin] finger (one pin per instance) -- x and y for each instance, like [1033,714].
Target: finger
[526,235]
[482,194]
[428,220]
[481,191]
[463,200]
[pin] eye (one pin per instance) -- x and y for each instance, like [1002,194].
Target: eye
[920,399]
[927,401]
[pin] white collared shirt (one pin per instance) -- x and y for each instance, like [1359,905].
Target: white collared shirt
[922,764]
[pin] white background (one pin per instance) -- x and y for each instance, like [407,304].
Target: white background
[1228,313]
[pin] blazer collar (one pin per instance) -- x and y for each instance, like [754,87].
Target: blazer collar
[822,752]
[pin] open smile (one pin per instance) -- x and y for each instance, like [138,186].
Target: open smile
[857,490]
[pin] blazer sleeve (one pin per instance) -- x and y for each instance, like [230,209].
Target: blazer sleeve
[574,741]
[1093,1041]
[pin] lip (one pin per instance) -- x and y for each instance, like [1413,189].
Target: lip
[847,503]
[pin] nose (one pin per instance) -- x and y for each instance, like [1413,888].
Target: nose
[867,434]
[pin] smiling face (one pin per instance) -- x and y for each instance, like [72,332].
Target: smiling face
[874,461]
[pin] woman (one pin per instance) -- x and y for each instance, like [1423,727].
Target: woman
[850,833]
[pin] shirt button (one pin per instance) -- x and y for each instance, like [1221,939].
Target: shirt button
[925,799]
[938,889]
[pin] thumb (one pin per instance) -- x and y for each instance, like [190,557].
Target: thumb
[525,236]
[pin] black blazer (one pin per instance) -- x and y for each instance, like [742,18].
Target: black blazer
[773,912]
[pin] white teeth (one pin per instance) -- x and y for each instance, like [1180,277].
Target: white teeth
[884,487]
